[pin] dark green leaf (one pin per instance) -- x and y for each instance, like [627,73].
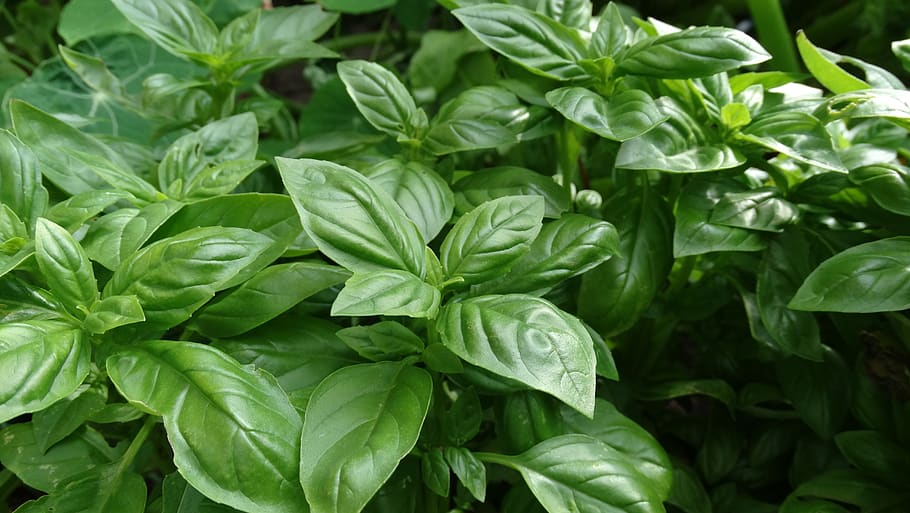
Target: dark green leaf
[360,422]
[66,267]
[20,182]
[797,135]
[382,98]
[386,340]
[104,489]
[435,472]
[756,209]
[62,418]
[688,492]
[470,471]
[357,6]
[526,339]
[846,486]
[875,455]
[623,116]
[435,62]
[388,292]
[489,239]
[487,184]
[528,418]
[695,234]
[495,108]
[887,184]
[217,414]
[716,388]
[352,221]
[817,390]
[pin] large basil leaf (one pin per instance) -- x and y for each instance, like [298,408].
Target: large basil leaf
[481,186]
[533,40]
[797,135]
[388,292]
[818,391]
[756,209]
[175,276]
[20,182]
[871,277]
[887,184]
[583,474]
[526,339]
[105,489]
[360,422]
[266,295]
[489,239]
[386,340]
[233,431]
[692,53]
[623,116]
[423,195]
[614,294]
[695,234]
[352,221]
[42,362]
[117,235]
[64,417]
[382,98]
[466,135]
[66,267]
[497,108]
[178,26]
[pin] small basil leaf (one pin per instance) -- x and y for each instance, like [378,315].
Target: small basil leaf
[66,267]
[497,108]
[825,69]
[388,292]
[360,422]
[526,339]
[891,104]
[112,312]
[466,135]
[386,340]
[381,98]
[612,35]
[76,210]
[715,388]
[20,183]
[436,475]
[528,418]
[476,188]
[470,471]
[119,234]
[623,116]
[571,13]
[695,234]
[104,489]
[62,418]
[489,239]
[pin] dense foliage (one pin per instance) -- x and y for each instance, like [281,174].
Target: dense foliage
[401,286]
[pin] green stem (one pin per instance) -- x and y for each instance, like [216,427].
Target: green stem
[137,443]
[680,279]
[492,457]
[774,33]
[568,148]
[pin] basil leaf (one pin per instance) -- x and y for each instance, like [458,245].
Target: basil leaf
[756,209]
[20,182]
[64,417]
[527,339]
[423,195]
[104,489]
[66,267]
[874,454]
[825,69]
[360,422]
[283,34]
[466,135]
[887,184]
[580,473]
[388,292]
[891,104]
[816,390]
[117,235]
[612,35]
[265,296]
[73,212]
[623,116]
[533,40]
[178,26]
[489,239]
[571,13]
[386,340]
[43,362]
[215,412]
[796,135]
[435,472]
[481,186]
[528,418]
[352,222]
[497,108]
[871,277]
[692,53]
[381,98]
[118,178]
[695,234]
[113,312]
[470,471]
[175,276]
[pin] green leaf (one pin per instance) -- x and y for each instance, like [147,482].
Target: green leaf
[217,414]
[435,62]
[423,195]
[481,186]
[887,184]
[817,390]
[466,135]
[175,276]
[73,212]
[692,53]
[628,438]
[612,35]
[20,182]
[845,486]
[119,234]
[386,340]
[797,135]
[178,26]
[901,50]
[62,418]
[388,292]
[435,472]
[382,99]
[104,489]
[527,339]
[357,6]
[266,295]
[86,19]
[470,470]
[360,422]
[695,234]
[66,267]
[564,248]
[623,116]
[580,473]
[783,268]
[826,70]
[678,145]
[875,455]
[870,277]
[42,362]
[94,72]
[352,221]
[491,108]
[528,418]
[616,293]
[869,103]
[688,492]
[489,239]
[299,352]
[716,388]
[735,115]
[756,209]
[116,177]
[533,40]
[112,312]
[572,13]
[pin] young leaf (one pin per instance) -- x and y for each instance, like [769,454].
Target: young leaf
[489,239]
[827,72]
[360,422]
[580,473]
[469,469]
[352,222]
[435,471]
[571,13]
[892,104]
[119,234]
[175,276]
[178,26]
[612,35]
[217,414]
[692,53]
[20,182]
[386,340]
[466,135]
[527,339]
[481,186]
[112,312]
[42,362]
[283,34]
[381,98]
[533,40]
[695,234]
[66,267]
[94,72]
[817,391]
[388,292]
[871,277]
[623,116]
[73,212]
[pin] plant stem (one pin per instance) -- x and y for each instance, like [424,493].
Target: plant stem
[137,442]
[774,33]
[568,148]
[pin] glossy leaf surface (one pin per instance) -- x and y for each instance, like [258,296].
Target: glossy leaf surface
[622,116]
[388,292]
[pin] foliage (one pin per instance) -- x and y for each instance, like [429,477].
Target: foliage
[406,293]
